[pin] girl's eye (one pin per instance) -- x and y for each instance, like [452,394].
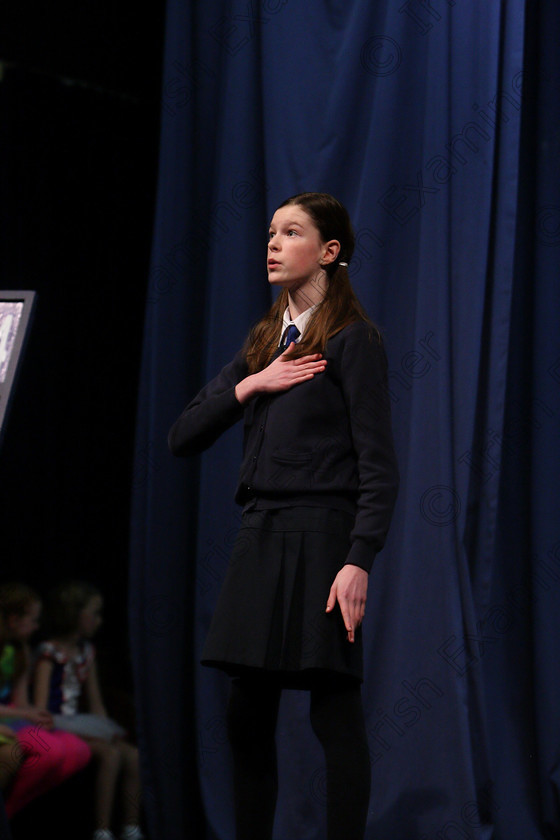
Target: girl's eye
[292,231]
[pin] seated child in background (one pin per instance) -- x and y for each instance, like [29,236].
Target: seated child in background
[66,675]
[34,756]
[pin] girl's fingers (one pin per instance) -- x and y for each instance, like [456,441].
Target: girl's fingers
[331,601]
[301,359]
[348,623]
[352,614]
[319,365]
[312,358]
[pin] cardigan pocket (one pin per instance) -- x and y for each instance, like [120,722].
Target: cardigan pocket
[292,457]
[291,467]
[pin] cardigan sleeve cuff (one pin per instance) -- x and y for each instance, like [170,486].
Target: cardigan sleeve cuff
[361,554]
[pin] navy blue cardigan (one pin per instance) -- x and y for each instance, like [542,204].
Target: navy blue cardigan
[325,442]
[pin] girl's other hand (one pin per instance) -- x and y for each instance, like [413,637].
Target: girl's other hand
[350,590]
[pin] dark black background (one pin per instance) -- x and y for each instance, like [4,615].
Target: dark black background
[79,136]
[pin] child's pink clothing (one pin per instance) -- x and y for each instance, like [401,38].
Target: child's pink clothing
[51,756]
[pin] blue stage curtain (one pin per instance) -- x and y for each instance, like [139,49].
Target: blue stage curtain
[436,123]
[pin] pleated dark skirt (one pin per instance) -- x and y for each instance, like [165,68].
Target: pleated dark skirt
[270,614]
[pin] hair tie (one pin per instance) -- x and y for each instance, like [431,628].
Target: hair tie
[345,264]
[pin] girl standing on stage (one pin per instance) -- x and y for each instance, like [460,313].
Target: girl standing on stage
[318,484]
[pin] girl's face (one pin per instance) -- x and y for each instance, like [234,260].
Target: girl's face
[295,249]
[23,626]
[90,617]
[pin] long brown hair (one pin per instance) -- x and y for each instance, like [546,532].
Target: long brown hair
[339,306]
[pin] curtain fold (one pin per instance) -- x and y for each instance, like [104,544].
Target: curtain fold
[420,118]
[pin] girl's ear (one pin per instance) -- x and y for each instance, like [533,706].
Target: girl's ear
[331,251]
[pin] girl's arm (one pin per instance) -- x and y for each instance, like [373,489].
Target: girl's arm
[41,686]
[366,393]
[364,383]
[19,702]
[221,403]
[20,707]
[93,692]
[214,409]
[12,711]
[41,683]
[20,689]
[20,693]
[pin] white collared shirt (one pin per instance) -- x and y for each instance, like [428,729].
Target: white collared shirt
[300,322]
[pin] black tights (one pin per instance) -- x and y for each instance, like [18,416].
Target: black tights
[337,719]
